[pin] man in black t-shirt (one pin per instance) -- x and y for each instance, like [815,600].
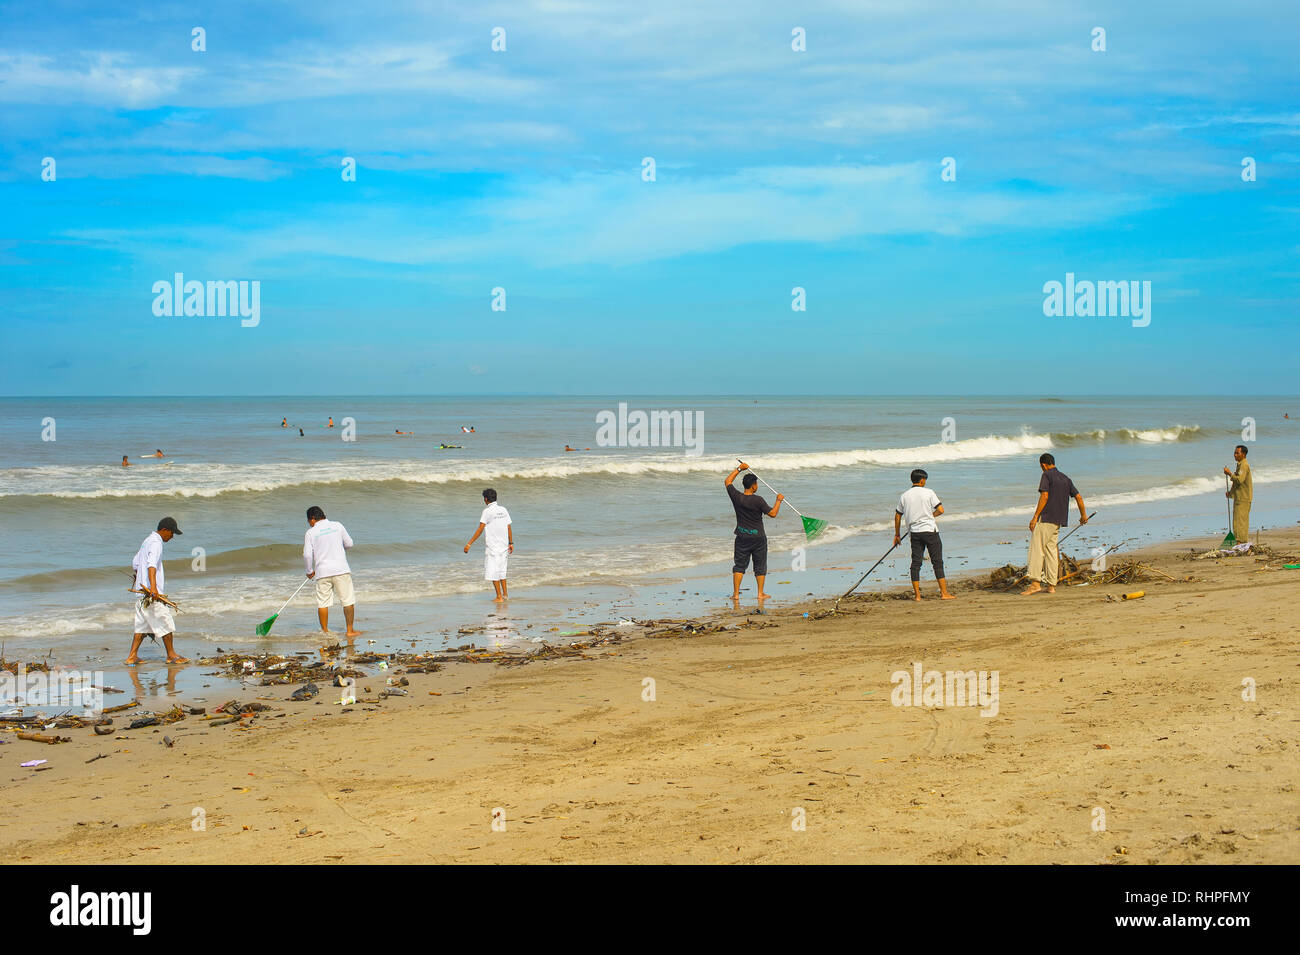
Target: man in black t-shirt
[1053,512]
[751,540]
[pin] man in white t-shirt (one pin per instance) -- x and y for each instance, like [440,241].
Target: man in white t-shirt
[323,550]
[918,508]
[151,614]
[498,542]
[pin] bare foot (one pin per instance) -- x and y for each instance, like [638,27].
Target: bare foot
[917,598]
[131,661]
[947,597]
[1051,590]
[178,660]
[762,596]
[1032,589]
[327,633]
[353,633]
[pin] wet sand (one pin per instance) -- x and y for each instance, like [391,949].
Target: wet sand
[1133,709]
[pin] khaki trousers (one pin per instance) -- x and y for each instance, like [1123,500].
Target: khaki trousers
[1044,559]
[1241,521]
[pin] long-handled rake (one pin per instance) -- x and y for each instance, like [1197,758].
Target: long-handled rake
[264,627]
[836,607]
[1231,539]
[812,526]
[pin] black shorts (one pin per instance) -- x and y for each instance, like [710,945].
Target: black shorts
[748,546]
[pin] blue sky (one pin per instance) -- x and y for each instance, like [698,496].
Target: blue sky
[522,169]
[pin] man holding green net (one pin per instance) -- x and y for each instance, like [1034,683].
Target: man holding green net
[751,539]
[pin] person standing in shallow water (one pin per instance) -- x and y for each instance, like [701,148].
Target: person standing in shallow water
[751,538]
[323,549]
[151,614]
[498,543]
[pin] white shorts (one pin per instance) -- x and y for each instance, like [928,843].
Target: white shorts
[494,566]
[155,618]
[341,584]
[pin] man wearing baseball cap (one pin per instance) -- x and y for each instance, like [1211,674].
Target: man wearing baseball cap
[152,615]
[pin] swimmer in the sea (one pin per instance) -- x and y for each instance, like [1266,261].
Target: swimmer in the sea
[125,462]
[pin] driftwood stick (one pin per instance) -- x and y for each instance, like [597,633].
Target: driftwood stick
[42,738]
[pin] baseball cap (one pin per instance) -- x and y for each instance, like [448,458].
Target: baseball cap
[169,524]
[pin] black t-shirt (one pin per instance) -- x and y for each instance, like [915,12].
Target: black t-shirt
[1059,490]
[750,509]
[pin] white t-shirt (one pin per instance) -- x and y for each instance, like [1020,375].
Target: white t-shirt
[149,555]
[322,549]
[917,507]
[496,522]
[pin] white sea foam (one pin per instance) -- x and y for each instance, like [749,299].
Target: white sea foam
[1178,432]
[211,480]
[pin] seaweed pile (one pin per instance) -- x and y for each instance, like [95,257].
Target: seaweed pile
[273,669]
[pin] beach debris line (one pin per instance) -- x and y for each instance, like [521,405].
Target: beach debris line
[271,669]
[1071,573]
[812,526]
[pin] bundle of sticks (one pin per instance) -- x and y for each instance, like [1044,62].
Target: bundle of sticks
[1128,572]
[150,598]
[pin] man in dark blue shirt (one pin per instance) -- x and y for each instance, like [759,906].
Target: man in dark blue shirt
[1053,512]
[751,540]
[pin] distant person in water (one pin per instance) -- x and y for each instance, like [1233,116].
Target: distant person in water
[284,422]
[331,424]
[918,508]
[399,431]
[498,542]
[567,448]
[751,539]
[125,462]
[157,453]
[151,614]
[323,550]
[300,434]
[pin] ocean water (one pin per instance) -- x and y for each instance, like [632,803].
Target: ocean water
[602,534]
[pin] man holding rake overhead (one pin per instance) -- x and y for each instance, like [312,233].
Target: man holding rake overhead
[751,539]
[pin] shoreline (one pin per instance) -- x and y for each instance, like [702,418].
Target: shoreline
[175,685]
[1133,707]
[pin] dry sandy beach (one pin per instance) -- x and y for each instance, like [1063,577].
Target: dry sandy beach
[1132,707]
